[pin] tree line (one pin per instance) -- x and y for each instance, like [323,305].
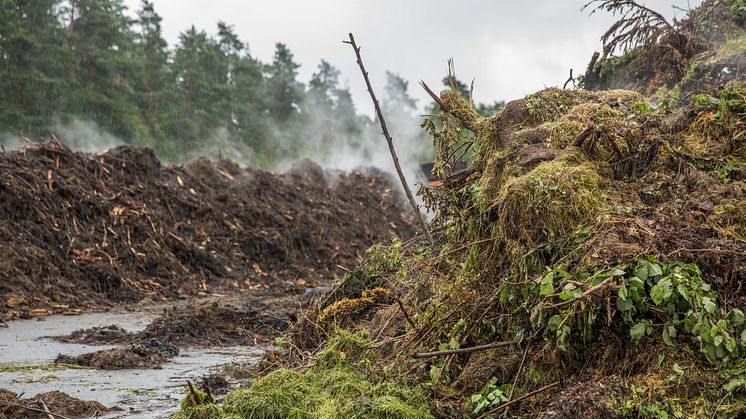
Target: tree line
[89,59]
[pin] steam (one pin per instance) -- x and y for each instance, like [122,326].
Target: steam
[78,134]
[316,135]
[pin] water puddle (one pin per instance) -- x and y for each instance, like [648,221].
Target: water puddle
[140,393]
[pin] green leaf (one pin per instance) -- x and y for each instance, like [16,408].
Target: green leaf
[623,293]
[734,385]
[642,270]
[637,331]
[624,305]
[546,286]
[617,272]
[710,306]
[636,282]
[718,340]
[554,322]
[655,269]
[684,293]
[735,317]
[668,333]
[661,292]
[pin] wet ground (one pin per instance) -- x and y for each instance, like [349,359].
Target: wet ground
[139,393]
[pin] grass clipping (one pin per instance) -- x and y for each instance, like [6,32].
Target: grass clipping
[551,200]
[339,385]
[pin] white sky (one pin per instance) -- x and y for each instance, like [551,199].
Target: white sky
[511,47]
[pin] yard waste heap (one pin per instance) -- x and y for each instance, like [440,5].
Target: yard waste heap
[79,231]
[590,262]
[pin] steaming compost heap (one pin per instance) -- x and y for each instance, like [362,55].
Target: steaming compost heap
[79,231]
[589,263]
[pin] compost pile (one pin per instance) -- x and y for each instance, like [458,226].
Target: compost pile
[12,406]
[589,262]
[79,230]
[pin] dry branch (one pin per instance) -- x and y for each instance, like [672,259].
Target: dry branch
[464,350]
[389,140]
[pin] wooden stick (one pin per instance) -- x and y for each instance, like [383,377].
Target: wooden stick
[406,316]
[510,403]
[33,409]
[390,141]
[518,373]
[570,79]
[464,350]
[46,409]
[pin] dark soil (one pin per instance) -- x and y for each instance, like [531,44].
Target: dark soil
[134,356]
[80,231]
[209,324]
[13,407]
[106,335]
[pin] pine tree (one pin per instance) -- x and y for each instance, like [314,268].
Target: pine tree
[199,72]
[153,54]
[102,67]
[30,70]
[284,93]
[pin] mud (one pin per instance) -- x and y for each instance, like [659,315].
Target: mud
[28,351]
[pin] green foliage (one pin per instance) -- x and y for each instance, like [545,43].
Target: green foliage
[339,385]
[737,10]
[670,300]
[489,397]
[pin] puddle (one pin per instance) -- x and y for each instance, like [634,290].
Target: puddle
[140,393]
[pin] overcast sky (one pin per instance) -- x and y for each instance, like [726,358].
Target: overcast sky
[511,48]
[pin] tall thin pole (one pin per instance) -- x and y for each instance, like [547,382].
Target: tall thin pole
[390,141]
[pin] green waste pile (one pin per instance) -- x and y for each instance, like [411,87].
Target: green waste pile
[589,262]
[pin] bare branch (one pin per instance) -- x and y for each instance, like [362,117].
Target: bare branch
[390,141]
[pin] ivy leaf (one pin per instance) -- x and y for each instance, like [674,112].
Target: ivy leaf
[736,317]
[654,269]
[546,286]
[709,305]
[637,331]
[668,333]
[661,291]
[684,293]
[554,322]
[623,293]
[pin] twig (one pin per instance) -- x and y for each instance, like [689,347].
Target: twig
[510,403]
[46,409]
[518,373]
[570,79]
[406,316]
[588,292]
[463,350]
[390,141]
[33,409]
[580,139]
[468,123]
